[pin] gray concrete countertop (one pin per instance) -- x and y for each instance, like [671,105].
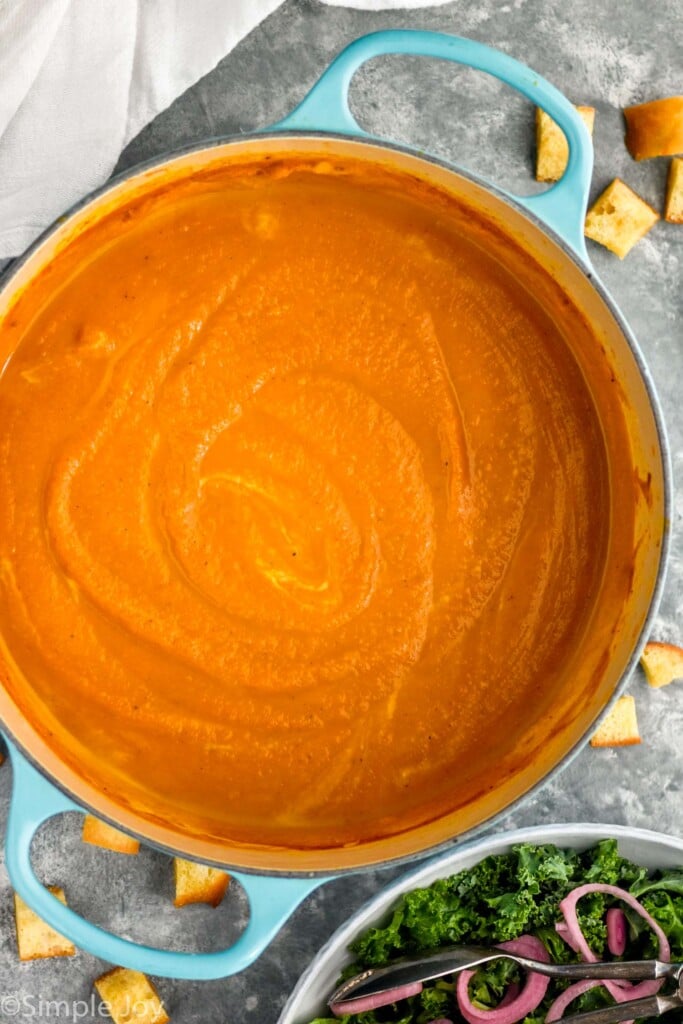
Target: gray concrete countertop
[607,54]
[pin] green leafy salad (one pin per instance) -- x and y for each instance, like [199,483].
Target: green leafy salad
[518,894]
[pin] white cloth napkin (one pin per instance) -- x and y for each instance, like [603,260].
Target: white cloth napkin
[80,78]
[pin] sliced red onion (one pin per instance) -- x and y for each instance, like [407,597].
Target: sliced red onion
[364,1003]
[514,1009]
[562,929]
[511,992]
[575,935]
[558,1007]
[617,930]
[441,1020]
[568,909]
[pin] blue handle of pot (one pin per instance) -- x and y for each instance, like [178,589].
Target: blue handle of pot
[271,899]
[326,108]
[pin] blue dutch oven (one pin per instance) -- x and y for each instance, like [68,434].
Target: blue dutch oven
[550,227]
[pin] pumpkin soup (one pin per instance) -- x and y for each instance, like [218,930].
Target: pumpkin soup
[306,504]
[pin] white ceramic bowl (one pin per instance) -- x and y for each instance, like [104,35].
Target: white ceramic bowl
[308,1000]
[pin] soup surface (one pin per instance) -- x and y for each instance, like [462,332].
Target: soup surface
[306,504]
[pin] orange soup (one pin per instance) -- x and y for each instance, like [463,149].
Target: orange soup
[306,503]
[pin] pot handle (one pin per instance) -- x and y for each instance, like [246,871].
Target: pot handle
[562,207]
[271,899]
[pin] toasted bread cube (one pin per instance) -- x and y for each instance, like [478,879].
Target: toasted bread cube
[619,218]
[130,997]
[673,210]
[620,727]
[36,939]
[662,663]
[99,833]
[655,129]
[552,151]
[197,883]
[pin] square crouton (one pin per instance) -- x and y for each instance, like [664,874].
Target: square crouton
[197,883]
[552,151]
[655,128]
[663,663]
[130,997]
[99,833]
[620,727]
[673,210]
[36,939]
[619,218]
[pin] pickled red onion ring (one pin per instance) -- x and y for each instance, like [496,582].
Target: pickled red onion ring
[364,1003]
[562,929]
[568,910]
[511,992]
[558,1007]
[509,1010]
[617,930]
[575,937]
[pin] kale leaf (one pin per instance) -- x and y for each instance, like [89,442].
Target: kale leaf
[671,880]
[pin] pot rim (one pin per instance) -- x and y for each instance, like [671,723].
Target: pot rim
[584,266]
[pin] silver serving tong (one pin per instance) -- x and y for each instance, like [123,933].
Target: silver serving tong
[451,960]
